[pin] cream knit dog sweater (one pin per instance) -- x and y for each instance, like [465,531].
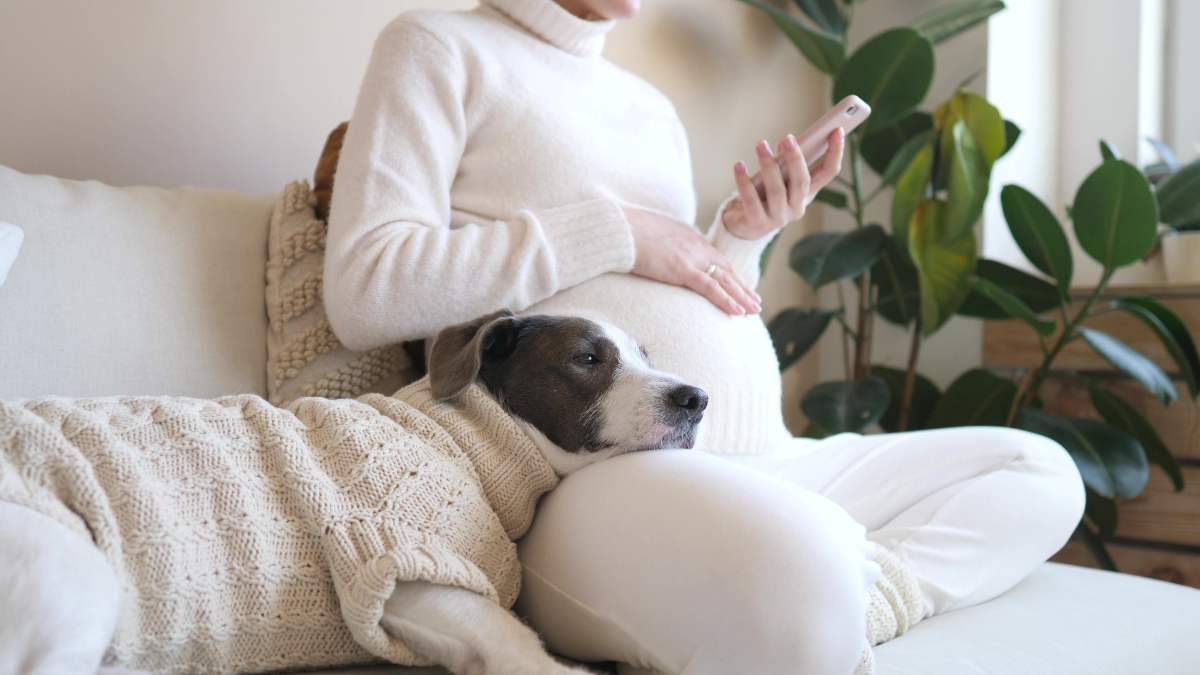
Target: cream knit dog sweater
[250,538]
[487,160]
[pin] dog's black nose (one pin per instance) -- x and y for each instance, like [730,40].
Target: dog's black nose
[691,401]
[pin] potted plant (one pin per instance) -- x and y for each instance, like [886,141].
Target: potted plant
[924,267]
[915,271]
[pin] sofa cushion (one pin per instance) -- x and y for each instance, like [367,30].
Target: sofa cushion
[135,290]
[304,357]
[1062,620]
[11,237]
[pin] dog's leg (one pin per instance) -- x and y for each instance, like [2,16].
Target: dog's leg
[465,632]
[59,599]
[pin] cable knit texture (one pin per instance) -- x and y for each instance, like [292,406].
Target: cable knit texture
[304,356]
[486,165]
[251,538]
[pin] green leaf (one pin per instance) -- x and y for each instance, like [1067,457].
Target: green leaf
[968,186]
[847,406]
[1115,214]
[878,147]
[1038,234]
[1172,332]
[1014,306]
[831,197]
[951,19]
[943,267]
[898,296]
[891,72]
[977,397]
[1034,292]
[1179,196]
[910,190]
[904,157]
[826,256]
[794,332]
[1117,412]
[1110,461]
[1165,154]
[1103,512]
[1012,133]
[823,51]
[825,14]
[1108,152]
[982,119]
[925,397]
[1137,366]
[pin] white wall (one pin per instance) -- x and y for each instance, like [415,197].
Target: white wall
[237,94]
[1072,72]
[220,93]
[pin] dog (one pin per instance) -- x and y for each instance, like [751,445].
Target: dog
[581,390]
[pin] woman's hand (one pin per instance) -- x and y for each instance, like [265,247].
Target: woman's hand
[674,253]
[751,217]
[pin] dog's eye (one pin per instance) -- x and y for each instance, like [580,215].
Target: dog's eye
[587,359]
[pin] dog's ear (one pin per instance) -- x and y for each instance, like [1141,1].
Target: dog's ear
[458,351]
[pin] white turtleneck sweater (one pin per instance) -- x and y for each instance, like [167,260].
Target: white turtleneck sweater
[487,161]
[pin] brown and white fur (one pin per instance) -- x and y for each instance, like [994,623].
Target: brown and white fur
[582,389]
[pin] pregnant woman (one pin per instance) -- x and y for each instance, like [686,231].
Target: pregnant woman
[495,159]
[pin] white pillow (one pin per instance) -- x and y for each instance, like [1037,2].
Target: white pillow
[10,244]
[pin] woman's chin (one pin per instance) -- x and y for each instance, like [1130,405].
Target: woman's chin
[617,9]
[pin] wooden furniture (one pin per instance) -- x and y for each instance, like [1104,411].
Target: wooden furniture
[1158,533]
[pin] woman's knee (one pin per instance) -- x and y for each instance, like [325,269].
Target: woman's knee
[690,564]
[1049,463]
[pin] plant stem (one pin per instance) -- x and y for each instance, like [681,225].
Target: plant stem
[1016,403]
[910,375]
[1067,335]
[862,352]
[845,331]
[845,325]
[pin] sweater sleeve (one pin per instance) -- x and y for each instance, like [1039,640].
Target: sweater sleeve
[394,268]
[744,254]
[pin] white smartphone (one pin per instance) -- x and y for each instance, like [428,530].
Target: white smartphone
[848,114]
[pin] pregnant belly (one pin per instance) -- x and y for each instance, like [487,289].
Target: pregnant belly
[729,357]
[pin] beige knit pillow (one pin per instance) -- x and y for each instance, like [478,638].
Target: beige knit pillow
[304,358]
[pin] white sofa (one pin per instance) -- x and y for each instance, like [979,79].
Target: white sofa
[153,291]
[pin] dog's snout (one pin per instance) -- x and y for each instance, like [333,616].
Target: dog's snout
[691,401]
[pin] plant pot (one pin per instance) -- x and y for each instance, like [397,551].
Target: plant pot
[1181,257]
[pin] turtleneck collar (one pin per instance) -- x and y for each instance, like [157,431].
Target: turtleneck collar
[511,469]
[550,22]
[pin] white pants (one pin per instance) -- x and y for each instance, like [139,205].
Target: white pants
[688,563]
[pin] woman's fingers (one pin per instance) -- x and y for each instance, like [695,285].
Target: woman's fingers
[831,165]
[799,179]
[772,178]
[751,203]
[736,288]
[710,288]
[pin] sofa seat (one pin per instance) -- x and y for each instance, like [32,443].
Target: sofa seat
[1062,620]
[153,291]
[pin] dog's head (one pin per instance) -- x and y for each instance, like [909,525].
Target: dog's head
[583,389]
